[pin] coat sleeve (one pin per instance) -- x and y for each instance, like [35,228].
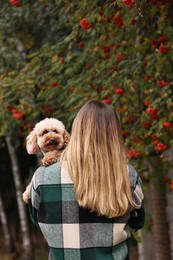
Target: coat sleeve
[137,216]
[34,200]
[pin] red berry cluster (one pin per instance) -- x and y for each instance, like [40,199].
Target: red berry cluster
[15,113]
[158,145]
[47,110]
[133,154]
[169,181]
[85,24]
[119,91]
[129,3]
[16,3]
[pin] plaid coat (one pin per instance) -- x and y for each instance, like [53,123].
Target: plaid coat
[73,232]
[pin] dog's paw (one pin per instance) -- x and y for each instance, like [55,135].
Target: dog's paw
[49,160]
[26,196]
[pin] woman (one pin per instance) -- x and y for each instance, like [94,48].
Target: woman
[86,204]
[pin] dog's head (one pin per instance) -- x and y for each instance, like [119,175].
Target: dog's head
[47,135]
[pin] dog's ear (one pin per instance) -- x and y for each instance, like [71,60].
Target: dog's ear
[31,143]
[66,137]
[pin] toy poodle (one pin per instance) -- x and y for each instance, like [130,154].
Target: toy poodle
[49,136]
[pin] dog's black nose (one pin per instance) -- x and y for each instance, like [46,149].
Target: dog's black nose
[52,140]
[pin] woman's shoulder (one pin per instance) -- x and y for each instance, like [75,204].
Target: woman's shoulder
[47,175]
[135,183]
[46,169]
[134,177]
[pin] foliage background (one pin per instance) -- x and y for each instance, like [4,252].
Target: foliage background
[52,62]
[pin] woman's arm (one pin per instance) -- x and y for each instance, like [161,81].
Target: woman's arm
[33,205]
[34,196]
[137,217]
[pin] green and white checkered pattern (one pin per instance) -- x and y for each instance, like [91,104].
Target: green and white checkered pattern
[73,232]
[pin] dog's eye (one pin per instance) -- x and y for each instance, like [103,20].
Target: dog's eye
[44,132]
[55,131]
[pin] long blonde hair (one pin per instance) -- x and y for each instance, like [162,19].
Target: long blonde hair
[97,162]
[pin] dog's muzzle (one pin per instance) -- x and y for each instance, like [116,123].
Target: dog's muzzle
[53,141]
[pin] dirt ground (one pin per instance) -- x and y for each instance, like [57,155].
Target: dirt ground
[39,246]
[41,249]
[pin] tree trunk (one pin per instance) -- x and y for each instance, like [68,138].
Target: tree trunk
[26,238]
[10,247]
[168,155]
[160,225]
